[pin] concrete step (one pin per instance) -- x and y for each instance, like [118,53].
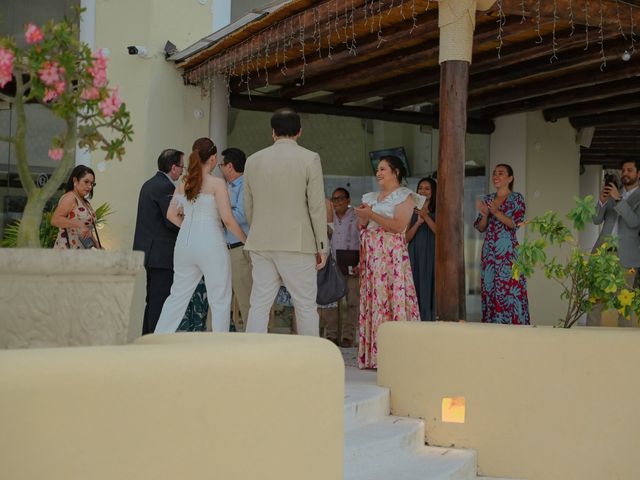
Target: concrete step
[498,478]
[427,463]
[364,403]
[379,446]
[383,439]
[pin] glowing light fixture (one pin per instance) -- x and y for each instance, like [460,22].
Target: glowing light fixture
[453,409]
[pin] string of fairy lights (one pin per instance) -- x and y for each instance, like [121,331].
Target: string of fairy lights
[334,26]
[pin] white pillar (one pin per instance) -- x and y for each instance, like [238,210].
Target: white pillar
[219,112]
[88,36]
[590,183]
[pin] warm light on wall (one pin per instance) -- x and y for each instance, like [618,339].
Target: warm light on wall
[453,409]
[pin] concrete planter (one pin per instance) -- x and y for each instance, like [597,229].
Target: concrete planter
[59,298]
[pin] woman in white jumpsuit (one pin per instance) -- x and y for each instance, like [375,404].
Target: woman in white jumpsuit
[199,203]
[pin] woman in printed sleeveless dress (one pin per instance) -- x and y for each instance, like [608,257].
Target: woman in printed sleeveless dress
[74,215]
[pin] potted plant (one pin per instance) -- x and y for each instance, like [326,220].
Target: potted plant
[62,297]
[585,278]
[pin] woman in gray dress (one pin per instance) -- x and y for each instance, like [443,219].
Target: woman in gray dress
[421,237]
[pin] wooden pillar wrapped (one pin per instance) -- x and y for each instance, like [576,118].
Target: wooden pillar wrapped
[457,22]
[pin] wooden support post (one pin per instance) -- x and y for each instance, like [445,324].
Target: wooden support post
[450,278]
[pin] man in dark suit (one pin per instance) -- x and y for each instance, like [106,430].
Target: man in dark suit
[155,235]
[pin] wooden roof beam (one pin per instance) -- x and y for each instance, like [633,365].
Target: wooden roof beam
[589,77]
[621,117]
[491,80]
[342,57]
[564,97]
[580,109]
[529,8]
[269,104]
[511,53]
[382,66]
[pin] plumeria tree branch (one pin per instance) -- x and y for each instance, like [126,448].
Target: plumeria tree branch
[63,75]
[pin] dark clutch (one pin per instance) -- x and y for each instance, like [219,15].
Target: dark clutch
[87,242]
[346,259]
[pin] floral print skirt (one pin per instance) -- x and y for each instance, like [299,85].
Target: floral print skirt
[387,292]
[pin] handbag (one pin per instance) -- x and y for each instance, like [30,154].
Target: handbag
[88,242]
[332,285]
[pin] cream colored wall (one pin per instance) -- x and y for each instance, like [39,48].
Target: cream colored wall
[509,145]
[227,406]
[541,403]
[552,180]
[162,108]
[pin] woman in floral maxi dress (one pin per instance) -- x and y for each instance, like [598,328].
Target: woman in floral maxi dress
[504,299]
[387,292]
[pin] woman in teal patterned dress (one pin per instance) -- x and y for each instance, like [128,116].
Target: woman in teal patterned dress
[504,299]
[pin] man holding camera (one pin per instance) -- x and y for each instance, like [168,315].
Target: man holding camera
[619,212]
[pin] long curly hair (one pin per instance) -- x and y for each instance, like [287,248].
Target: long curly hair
[203,148]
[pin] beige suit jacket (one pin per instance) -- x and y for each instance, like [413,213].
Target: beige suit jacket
[284,199]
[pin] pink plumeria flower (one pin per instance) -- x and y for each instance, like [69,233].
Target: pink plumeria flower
[91,93]
[50,73]
[6,66]
[6,57]
[49,95]
[99,69]
[56,154]
[33,34]
[59,87]
[111,104]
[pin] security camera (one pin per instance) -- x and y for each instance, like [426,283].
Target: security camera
[137,50]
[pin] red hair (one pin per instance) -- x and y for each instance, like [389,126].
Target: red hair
[201,152]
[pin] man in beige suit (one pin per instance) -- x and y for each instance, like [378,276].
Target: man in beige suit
[285,207]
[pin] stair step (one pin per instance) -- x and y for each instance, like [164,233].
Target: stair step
[428,463]
[379,446]
[386,438]
[364,404]
[498,478]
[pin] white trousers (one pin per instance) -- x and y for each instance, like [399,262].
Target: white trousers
[189,267]
[298,273]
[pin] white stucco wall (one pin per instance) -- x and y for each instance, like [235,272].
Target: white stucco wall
[552,172]
[163,110]
[508,145]
[545,160]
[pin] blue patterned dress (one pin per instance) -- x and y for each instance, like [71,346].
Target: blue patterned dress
[504,300]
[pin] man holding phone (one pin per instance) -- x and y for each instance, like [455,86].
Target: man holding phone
[618,210]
